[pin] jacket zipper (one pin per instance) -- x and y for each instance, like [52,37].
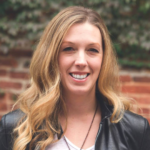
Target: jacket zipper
[99,130]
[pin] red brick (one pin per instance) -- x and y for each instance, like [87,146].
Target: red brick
[3,73]
[3,106]
[134,88]
[144,99]
[141,98]
[141,79]
[10,85]
[21,53]
[145,110]
[8,62]
[19,75]
[125,78]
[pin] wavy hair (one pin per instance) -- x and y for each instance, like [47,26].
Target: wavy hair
[42,102]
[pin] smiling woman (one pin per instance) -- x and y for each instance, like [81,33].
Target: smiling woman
[74,101]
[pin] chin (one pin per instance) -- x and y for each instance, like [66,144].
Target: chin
[81,91]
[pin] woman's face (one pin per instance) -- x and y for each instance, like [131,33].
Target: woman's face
[80,59]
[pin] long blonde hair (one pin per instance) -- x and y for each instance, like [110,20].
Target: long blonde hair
[42,101]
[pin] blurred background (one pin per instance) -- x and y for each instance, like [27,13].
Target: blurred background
[22,23]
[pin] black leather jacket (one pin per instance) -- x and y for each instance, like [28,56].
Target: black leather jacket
[131,133]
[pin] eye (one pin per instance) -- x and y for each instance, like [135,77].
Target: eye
[93,50]
[68,49]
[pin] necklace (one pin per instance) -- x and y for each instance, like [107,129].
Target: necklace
[86,134]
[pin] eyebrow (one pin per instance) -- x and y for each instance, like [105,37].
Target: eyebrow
[95,44]
[67,42]
[73,43]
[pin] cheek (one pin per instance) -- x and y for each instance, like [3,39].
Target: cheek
[64,63]
[97,69]
[96,64]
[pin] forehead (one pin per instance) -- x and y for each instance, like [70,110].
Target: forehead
[84,31]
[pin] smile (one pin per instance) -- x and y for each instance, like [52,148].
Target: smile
[78,76]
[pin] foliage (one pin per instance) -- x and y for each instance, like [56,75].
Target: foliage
[128,21]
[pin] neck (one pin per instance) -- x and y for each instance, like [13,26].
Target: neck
[80,105]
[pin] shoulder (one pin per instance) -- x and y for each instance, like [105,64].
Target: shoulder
[11,119]
[7,124]
[137,129]
[135,121]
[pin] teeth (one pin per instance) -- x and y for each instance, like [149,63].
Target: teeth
[77,76]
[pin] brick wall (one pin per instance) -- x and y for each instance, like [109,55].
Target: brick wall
[136,85]
[14,80]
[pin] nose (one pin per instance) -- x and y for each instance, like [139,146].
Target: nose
[81,60]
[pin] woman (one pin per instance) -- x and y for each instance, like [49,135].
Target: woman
[74,101]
